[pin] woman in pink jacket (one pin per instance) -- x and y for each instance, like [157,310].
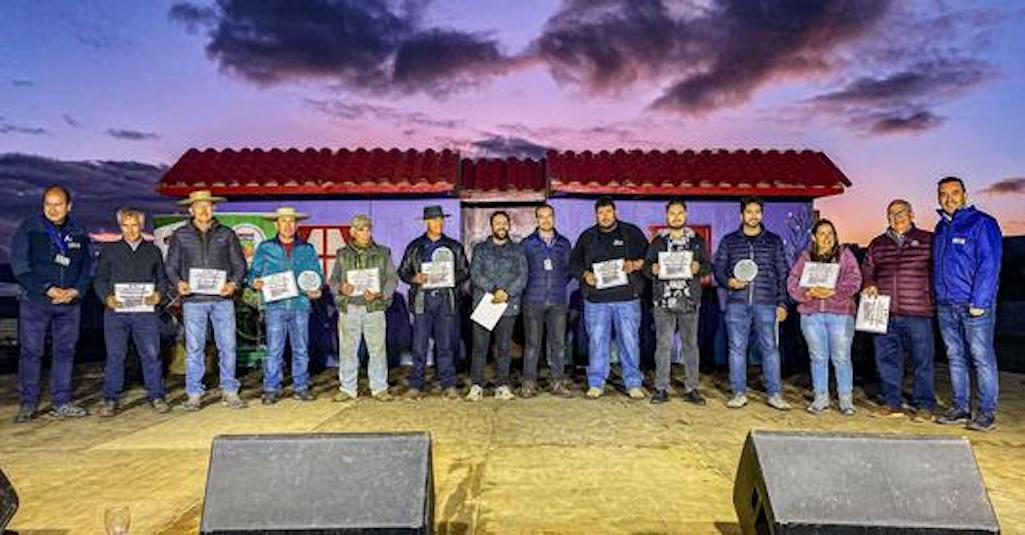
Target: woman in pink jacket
[827,314]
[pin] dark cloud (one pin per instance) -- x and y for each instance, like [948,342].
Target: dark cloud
[1006,186]
[361,44]
[9,128]
[23,83]
[131,135]
[913,122]
[71,121]
[494,146]
[360,110]
[98,187]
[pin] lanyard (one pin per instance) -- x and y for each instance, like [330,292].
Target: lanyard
[56,238]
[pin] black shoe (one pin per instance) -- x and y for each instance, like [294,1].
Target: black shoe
[660,396]
[269,398]
[983,422]
[693,396]
[304,395]
[108,409]
[953,416]
[25,414]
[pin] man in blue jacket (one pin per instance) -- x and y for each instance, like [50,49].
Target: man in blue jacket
[52,262]
[545,303]
[967,247]
[758,302]
[287,314]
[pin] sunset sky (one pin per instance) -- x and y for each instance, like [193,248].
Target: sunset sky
[898,94]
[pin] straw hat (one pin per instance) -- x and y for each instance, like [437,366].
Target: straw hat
[285,211]
[200,195]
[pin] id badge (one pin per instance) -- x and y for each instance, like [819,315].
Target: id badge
[548,264]
[62,260]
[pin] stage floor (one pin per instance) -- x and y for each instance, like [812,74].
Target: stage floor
[541,465]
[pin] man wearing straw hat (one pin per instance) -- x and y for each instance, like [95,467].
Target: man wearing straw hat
[365,280]
[205,264]
[287,272]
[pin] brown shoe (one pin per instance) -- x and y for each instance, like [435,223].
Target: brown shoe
[528,390]
[562,389]
[108,409]
[887,411]
[160,406]
[923,416]
[342,396]
[382,396]
[414,393]
[451,393]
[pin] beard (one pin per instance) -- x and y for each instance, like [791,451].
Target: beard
[501,234]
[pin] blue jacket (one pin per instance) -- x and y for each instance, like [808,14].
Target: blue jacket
[967,249]
[34,258]
[270,258]
[497,267]
[546,287]
[766,249]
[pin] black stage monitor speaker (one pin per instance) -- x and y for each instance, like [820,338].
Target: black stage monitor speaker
[800,483]
[320,483]
[8,501]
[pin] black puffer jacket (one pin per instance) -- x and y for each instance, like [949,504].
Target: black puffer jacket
[217,248]
[766,249]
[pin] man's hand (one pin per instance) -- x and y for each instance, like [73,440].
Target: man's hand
[781,314]
[976,312]
[501,296]
[55,293]
[736,284]
[228,289]
[655,268]
[369,296]
[629,266]
[590,279]
[420,278]
[695,267]
[313,295]
[819,292]
[347,289]
[153,299]
[258,284]
[112,302]
[184,288]
[870,291]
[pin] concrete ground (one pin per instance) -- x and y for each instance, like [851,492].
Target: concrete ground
[541,465]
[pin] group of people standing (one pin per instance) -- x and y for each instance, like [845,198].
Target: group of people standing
[952,274]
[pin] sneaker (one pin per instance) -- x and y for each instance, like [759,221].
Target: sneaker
[304,395]
[160,406]
[504,393]
[953,416]
[695,397]
[561,389]
[413,394]
[475,394]
[737,401]
[923,416]
[887,411]
[192,404]
[983,422]
[819,404]
[383,395]
[108,408]
[450,393]
[846,405]
[68,410]
[269,398]
[232,401]
[660,396]
[777,402]
[342,396]
[528,389]
[594,392]
[25,414]
[637,393]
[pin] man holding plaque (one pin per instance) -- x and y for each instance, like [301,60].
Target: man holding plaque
[498,273]
[677,259]
[967,248]
[286,271]
[131,281]
[205,265]
[898,264]
[52,262]
[364,278]
[434,266]
[608,259]
[752,265]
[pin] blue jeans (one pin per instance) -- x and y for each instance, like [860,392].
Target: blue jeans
[293,325]
[35,319]
[740,318]
[438,321]
[144,329]
[222,317]
[968,337]
[829,337]
[913,335]
[625,318]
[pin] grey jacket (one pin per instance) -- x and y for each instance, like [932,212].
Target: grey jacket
[217,248]
[499,267]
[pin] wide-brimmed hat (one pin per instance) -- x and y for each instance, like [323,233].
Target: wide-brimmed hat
[430,212]
[200,195]
[285,211]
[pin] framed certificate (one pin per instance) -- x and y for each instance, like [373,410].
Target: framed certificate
[609,274]
[133,296]
[675,265]
[440,274]
[363,280]
[819,275]
[873,314]
[279,286]
[207,281]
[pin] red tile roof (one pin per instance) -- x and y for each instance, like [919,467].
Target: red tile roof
[704,173]
[312,172]
[512,174]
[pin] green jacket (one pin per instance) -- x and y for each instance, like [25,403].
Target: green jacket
[349,258]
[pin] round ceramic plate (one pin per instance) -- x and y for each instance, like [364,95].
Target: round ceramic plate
[309,281]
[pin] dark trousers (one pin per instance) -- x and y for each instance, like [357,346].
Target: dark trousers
[144,329]
[436,322]
[551,321]
[35,319]
[482,343]
[913,335]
